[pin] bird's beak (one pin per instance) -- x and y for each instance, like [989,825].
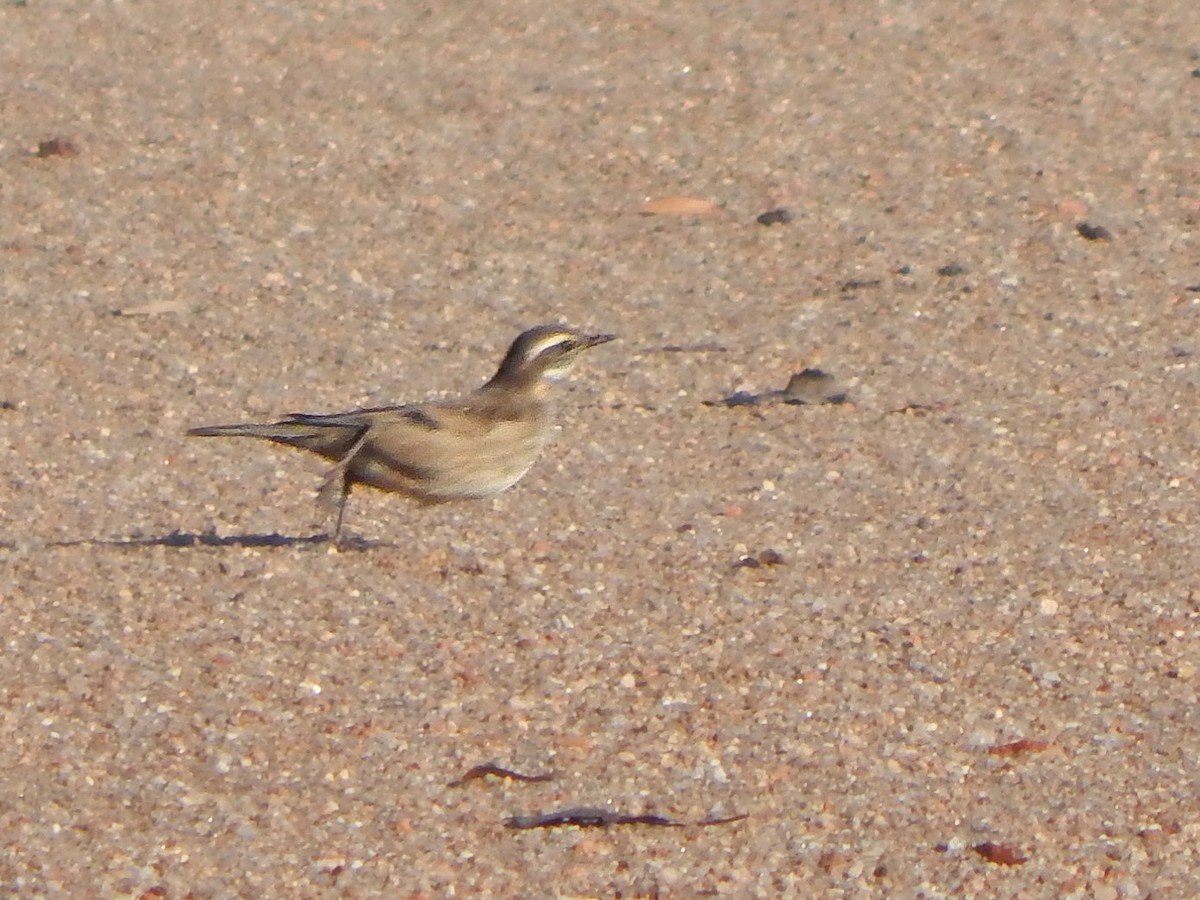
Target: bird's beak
[595,339]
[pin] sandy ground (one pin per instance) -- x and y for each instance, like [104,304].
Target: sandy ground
[965,663]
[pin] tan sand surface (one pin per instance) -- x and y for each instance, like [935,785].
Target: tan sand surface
[940,640]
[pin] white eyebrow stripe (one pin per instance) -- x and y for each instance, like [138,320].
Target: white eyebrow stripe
[545,343]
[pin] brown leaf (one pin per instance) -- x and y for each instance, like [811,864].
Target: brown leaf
[485,769]
[680,206]
[1018,747]
[1000,854]
[1072,208]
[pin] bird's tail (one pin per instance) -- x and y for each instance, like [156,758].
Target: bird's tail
[282,431]
[328,441]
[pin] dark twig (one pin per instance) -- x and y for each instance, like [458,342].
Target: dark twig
[490,768]
[596,817]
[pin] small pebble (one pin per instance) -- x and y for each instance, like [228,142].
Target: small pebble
[56,147]
[1093,232]
[780,216]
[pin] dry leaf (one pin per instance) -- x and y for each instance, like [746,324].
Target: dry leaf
[157,308]
[680,206]
[1000,854]
[1015,748]
[485,769]
[1072,208]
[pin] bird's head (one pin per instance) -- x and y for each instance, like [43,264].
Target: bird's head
[546,353]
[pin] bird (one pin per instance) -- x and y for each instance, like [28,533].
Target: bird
[439,450]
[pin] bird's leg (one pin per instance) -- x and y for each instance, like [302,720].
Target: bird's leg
[332,496]
[336,486]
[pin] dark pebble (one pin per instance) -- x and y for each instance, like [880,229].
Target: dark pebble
[1093,232]
[778,216]
[56,147]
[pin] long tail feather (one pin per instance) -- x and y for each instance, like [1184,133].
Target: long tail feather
[330,441]
[277,432]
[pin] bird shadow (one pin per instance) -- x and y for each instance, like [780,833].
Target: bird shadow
[188,539]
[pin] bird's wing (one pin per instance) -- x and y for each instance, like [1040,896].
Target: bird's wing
[412,414]
[442,451]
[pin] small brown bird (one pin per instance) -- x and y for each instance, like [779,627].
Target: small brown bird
[436,451]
